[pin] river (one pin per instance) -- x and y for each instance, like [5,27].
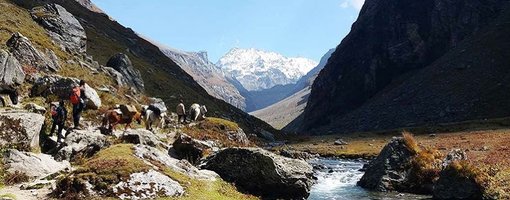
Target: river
[337,181]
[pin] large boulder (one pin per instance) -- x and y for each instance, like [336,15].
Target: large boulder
[20,130]
[458,181]
[122,64]
[62,27]
[140,136]
[35,166]
[389,171]
[191,149]
[263,173]
[81,143]
[28,55]
[11,71]
[148,154]
[62,87]
[148,185]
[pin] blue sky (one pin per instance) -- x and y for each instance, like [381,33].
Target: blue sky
[306,28]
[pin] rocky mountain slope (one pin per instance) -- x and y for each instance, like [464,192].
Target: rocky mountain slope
[162,77]
[210,77]
[280,114]
[258,70]
[409,63]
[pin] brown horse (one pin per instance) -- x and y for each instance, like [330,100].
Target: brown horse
[112,118]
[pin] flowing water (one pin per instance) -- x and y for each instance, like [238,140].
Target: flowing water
[337,181]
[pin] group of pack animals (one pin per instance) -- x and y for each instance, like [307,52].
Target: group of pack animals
[150,115]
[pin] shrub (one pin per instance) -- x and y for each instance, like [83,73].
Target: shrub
[15,178]
[410,142]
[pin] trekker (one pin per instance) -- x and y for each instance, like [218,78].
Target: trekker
[181,112]
[59,116]
[77,99]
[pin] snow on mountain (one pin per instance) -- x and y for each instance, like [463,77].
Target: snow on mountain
[258,70]
[208,75]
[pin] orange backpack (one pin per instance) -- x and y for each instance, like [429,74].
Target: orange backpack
[75,96]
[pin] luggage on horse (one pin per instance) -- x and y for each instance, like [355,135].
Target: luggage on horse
[128,111]
[155,109]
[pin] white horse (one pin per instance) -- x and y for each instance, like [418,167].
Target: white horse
[197,112]
[150,118]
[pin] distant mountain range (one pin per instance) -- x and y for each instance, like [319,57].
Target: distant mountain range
[258,70]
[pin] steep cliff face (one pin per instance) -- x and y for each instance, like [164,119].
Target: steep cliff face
[210,77]
[389,39]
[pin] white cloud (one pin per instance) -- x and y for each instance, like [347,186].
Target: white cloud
[357,4]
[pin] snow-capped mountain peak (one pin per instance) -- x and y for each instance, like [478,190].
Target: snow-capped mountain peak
[258,70]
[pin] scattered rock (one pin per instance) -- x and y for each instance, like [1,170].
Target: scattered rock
[432,135]
[33,165]
[340,142]
[150,153]
[122,64]
[28,55]
[263,173]
[32,107]
[454,155]
[20,130]
[81,143]
[93,100]
[297,154]
[62,27]
[141,136]
[191,149]
[148,185]
[12,72]
[389,170]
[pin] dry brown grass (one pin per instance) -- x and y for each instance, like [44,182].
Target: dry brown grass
[410,142]
[15,178]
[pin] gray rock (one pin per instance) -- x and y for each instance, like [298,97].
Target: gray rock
[32,107]
[266,135]
[141,136]
[297,154]
[158,103]
[340,142]
[148,185]
[119,78]
[81,143]
[191,149]
[28,55]
[61,87]
[239,136]
[263,173]
[62,26]
[148,153]
[389,171]
[11,70]
[20,130]
[122,64]
[33,165]
[454,155]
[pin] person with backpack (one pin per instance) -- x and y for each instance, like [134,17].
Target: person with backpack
[77,99]
[59,116]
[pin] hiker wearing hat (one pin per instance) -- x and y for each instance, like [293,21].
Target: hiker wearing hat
[77,99]
[181,112]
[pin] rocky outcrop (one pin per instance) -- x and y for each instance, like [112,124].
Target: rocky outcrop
[89,5]
[389,171]
[153,154]
[11,72]
[132,76]
[35,166]
[20,130]
[262,173]
[457,182]
[81,143]
[393,38]
[454,155]
[62,27]
[191,149]
[61,87]
[148,185]
[32,107]
[28,55]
